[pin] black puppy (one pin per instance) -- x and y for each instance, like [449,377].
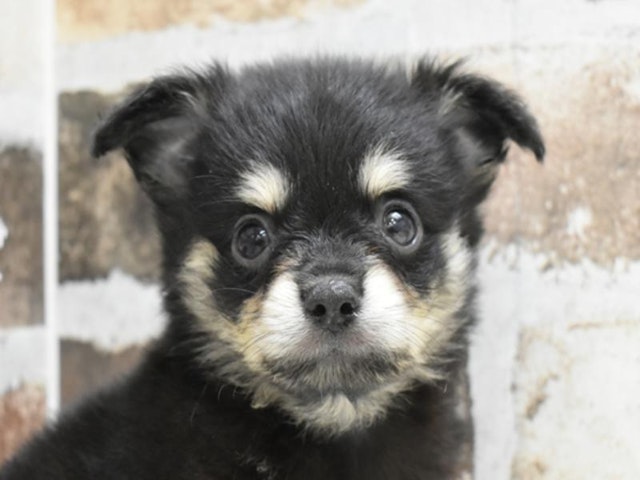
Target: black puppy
[319,225]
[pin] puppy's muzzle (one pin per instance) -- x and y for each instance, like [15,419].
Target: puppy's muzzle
[331,302]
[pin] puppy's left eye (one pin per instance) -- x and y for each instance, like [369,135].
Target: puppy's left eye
[401,225]
[251,240]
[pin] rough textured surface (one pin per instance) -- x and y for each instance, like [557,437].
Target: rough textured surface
[80,20]
[22,412]
[578,381]
[85,368]
[556,369]
[21,240]
[105,220]
[585,201]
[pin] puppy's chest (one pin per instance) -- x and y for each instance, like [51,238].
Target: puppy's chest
[397,461]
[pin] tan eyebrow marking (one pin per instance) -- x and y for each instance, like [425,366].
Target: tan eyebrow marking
[264,186]
[382,171]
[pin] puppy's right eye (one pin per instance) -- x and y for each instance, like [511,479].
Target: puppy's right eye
[251,241]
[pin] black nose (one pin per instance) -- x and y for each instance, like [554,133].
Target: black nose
[332,302]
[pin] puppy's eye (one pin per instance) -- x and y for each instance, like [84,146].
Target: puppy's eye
[401,225]
[251,240]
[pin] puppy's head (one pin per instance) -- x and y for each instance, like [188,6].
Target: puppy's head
[319,220]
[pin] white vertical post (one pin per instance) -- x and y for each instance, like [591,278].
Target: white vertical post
[50,207]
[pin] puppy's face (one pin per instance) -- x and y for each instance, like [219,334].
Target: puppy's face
[326,296]
[319,219]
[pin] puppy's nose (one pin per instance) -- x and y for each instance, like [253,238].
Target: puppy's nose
[332,302]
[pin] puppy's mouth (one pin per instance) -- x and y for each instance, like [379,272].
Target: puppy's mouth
[336,371]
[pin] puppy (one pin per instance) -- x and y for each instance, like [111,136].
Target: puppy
[319,221]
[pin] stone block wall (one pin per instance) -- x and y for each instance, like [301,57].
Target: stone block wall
[555,363]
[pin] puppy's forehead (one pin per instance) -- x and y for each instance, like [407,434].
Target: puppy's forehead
[320,137]
[268,187]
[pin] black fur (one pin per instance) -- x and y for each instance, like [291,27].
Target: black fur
[186,137]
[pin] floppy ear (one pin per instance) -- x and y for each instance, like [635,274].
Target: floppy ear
[482,115]
[154,127]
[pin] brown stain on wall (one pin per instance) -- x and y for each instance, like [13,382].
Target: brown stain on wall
[531,469]
[21,290]
[584,202]
[106,221]
[79,20]
[22,412]
[85,369]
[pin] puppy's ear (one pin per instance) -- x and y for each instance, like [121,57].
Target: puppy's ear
[154,127]
[482,115]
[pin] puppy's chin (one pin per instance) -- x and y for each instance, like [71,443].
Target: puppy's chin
[337,372]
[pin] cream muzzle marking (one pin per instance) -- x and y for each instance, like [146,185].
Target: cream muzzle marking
[272,327]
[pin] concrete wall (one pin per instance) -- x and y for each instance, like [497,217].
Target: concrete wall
[555,364]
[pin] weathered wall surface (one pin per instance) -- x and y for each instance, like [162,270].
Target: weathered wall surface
[555,367]
[22,334]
